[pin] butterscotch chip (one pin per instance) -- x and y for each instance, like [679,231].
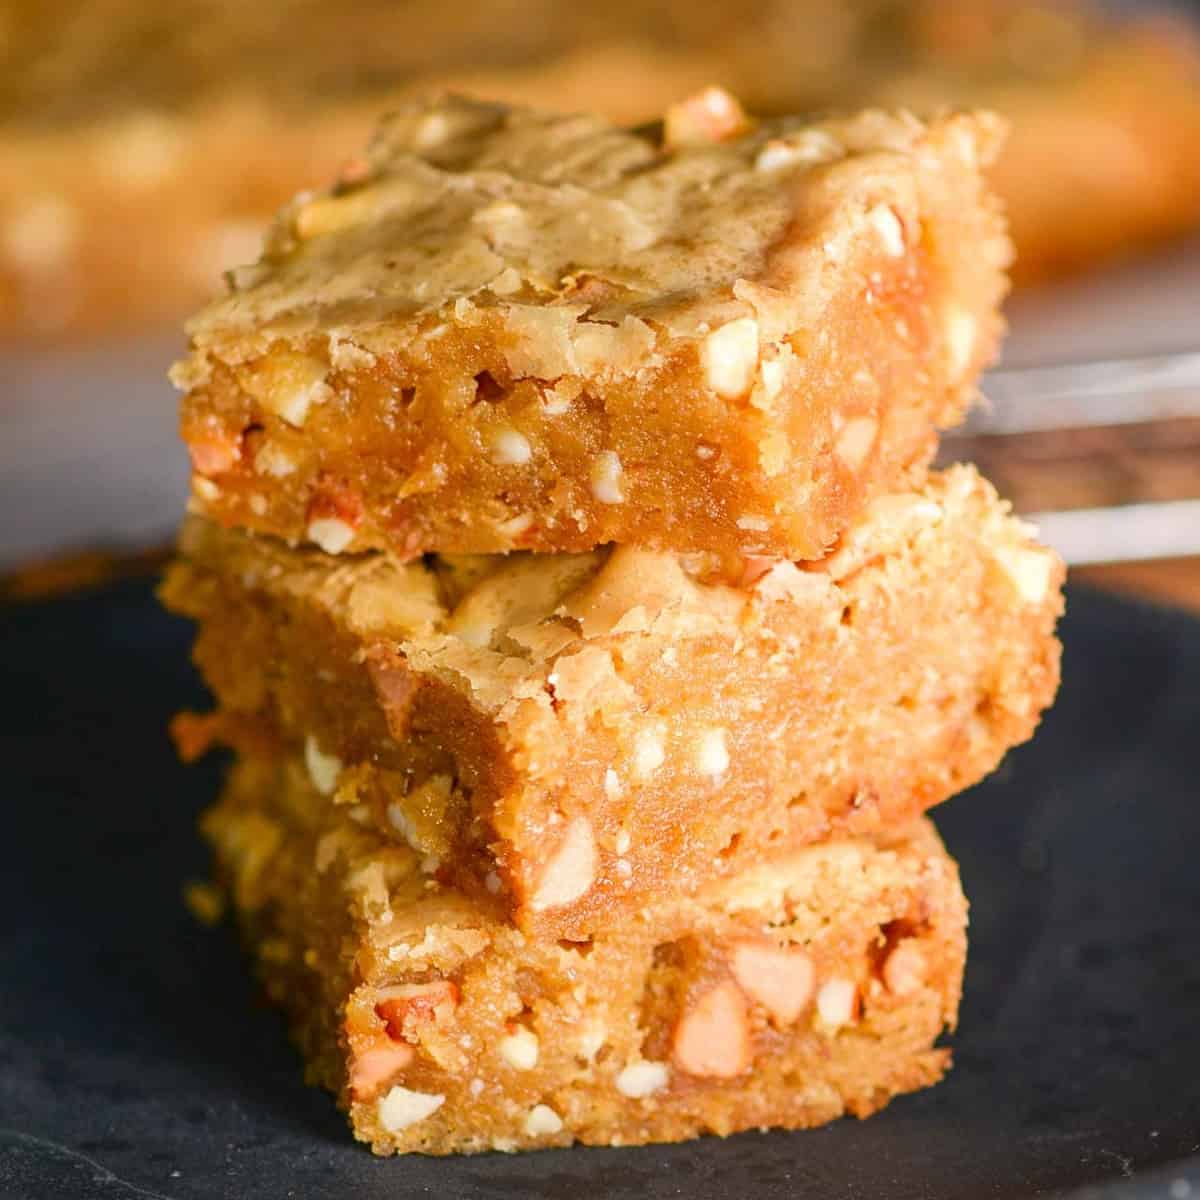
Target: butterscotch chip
[646,1033]
[806,323]
[557,729]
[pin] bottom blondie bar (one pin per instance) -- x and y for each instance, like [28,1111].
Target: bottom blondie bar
[799,990]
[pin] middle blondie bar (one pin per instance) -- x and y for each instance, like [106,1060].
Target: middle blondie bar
[579,734]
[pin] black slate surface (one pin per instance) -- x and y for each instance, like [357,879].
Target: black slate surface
[136,1059]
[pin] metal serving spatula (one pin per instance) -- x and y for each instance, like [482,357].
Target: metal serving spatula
[1104,457]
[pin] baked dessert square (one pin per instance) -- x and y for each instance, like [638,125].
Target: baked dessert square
[509,329]
[809,986]
[577,736]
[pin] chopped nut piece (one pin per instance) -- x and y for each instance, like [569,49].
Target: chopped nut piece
[511,449]
[215,453]
[730,356]
[891,232]
[809,146]
[571,869]
[591,1041]
[401,1108]
[780,979]
[712,755]
[406,1005]
[712,1039]
[607,478]
[323,769]
[542,1119]
[520,1049]
[709,116]
[648,753]
[960,333]
[1029,569]
[642,1079]
[330,533]
[836,1002]
[771,372]
[373,1068]
[855,440]
[274,460]
[290,386]
[905,969]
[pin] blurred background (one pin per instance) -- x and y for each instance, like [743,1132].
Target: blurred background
[144,146]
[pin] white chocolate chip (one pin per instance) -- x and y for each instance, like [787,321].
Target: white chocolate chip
[520,1049]
[273,460]
[891,232]
[401,1108]
[331,534]
[648,752]
[475,1087]
[323,769]
[623,842]
[607,478]
[712,755]
[642,1079]
[205,488]
[542,1119]
[835,1002]
[959,327]
[623,869]
[612,784]
[571,869]
[730,357]
[511,449]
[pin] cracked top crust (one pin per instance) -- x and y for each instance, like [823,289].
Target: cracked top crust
[463,205]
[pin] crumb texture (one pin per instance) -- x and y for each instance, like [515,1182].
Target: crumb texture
[769,1000]
[578,735]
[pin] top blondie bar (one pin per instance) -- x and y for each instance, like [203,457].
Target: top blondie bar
[509,329]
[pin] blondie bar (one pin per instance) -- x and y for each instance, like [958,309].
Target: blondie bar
[578,735]
[509,329]
[807,987]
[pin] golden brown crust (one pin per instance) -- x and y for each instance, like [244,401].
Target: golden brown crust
[519,330]
[582,733]
[808,987]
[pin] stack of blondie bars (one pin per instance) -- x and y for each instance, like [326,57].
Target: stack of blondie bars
[590,629]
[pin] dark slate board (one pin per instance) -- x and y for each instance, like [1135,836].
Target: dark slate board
[136,1059]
